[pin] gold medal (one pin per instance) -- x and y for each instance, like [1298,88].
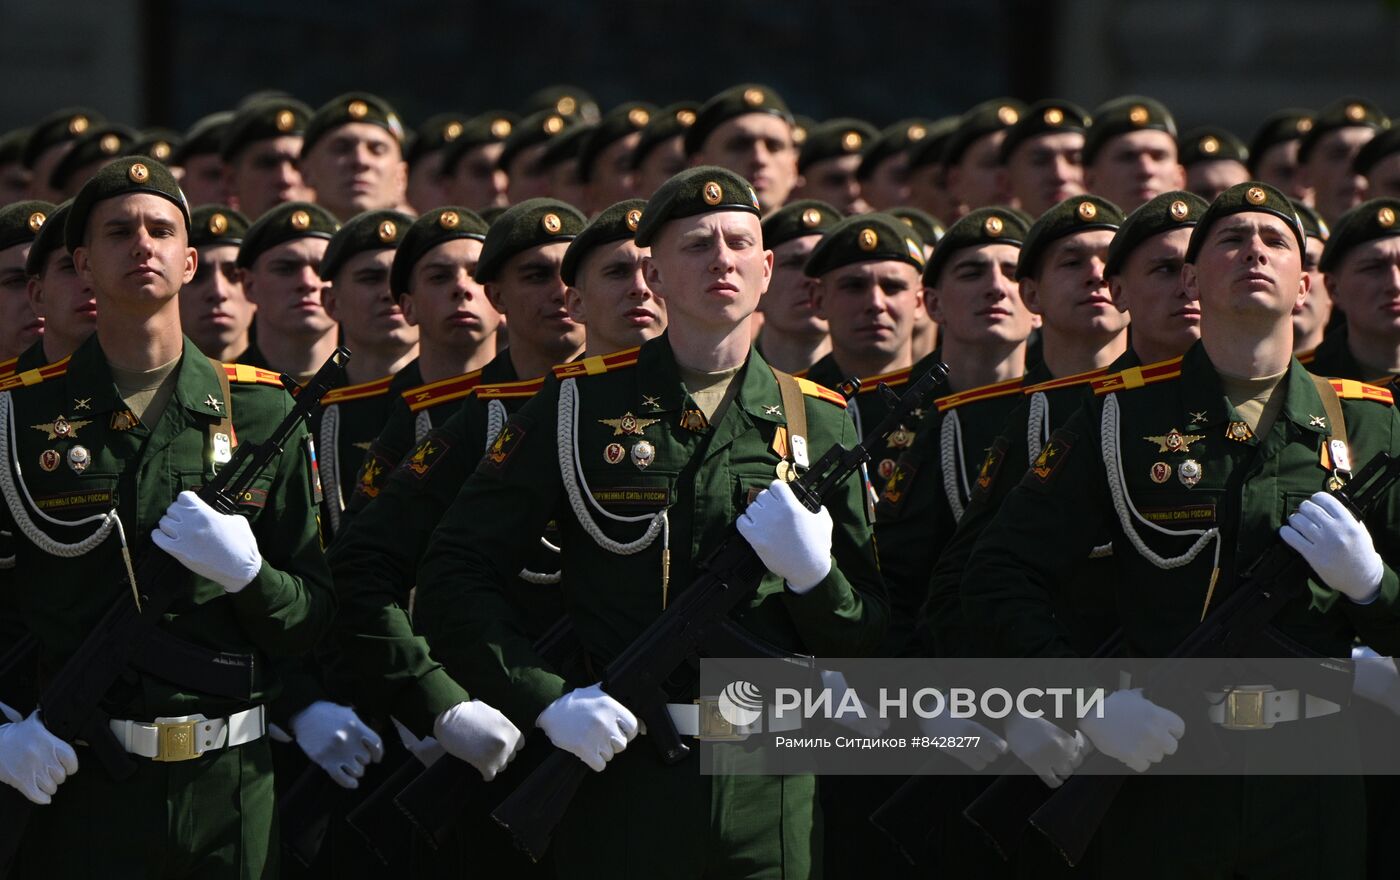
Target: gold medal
[628,425]
[786,472]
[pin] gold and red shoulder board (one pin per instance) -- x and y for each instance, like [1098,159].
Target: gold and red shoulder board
[1067,381]
[509,390]
[246,375]
[34,376]
[1350,389]
[442,391]
[1306,357]
[599,363]
[362,391]
[972,395]
[8,367]
[1138,377]
[812,389]
[894,380]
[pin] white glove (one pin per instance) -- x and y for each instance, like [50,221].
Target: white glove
[588,724]
[33,760]
[1336,545]
[871,725]
[216,545]
[989,747]
[1376,678]
[1045,748]
[792,541]
[336,739]
[1134,729]
[480,735]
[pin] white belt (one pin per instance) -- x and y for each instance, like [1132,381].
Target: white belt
[183,737]
[702,719]
[1260,707]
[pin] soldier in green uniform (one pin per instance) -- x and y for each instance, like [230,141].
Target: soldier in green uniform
[794,336]
[471,161]
[829,161]
[566,100]
[1312,318]
[1236,400]
[214,310]
[158,143]
[14,177]
[699,413]
[134,420]
[660,151]
[1273,152]
[20,328]
[1328,149]
[1042,156]
[1214,159]
[927,173]
[352,156]
[605,156]
[560,164]
[524,147]
[884,164]
[1359,262]
[608,291]
[89,152]
[427,184]
[260,150]
[1130,152]
[1379,163]
[197,162]
[749,130]
[58,294]
[48,142]
[972,156]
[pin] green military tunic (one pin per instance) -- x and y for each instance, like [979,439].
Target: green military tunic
[214,813]
[700,476]
[1334,359]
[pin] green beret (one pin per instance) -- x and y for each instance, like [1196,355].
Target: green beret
[996,225]
[1211,143]
[286,222]
[1384,144]
[49,239]
[1278,127]
[1378,218]
[986,118]
[492,213]
[698,190]
[801,125]
[57,128]
[833,139]
[213,225]
[1342,113]
[1051,116]
[1313,224]
[21,222]
[380,230]
[531,223]
[158,143]
[204,138]
[427,232]
[1170,210]
[889,142]
[347,108]
[102,142]
[616,223]
[537,128]
[1123,115]
[865,238]
[732,102]
[125,176]
[12,145]
[1074,215]
[928,227]
[491,127]
[615,125]
[1248,197]
[564,147]
[928,150]
[565,100]
[286,117]
[668,122]
[261,95]
[797,219]
[436,132]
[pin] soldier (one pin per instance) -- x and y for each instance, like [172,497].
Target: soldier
[88,153]
[560,164]
[660,151]
[1359,263]
[829,160]
[14,177]
[352,156]
[20,328]
[427,184]
[605,156]
[794,335]
[1214,159]
[132,415]
[1313,316]
[884,164]
[1273,153]
[1244,265]
[708,260]
[471,161]
[1379,163]
[1042,156]
[202,175]
[927,173]
[260,150]
[749,130]
[57,294]
[1130,152]
[929,229]
[49,140]
[524,148]
[971,156]
[608,291]
[158,143]
[566,100]
[1327,150]
[215,313]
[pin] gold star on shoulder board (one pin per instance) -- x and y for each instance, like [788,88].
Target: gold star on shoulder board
[62,428]
[1174,441]
[628,424]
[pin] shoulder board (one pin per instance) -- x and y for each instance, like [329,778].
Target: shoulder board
[972,395]
[894,380]
[1137,377]
[507,390]
[599,363]
[8,367]
[442,391]
[812,389]
[242,374]
[1306,357]
[1067,381]
[1350,389]
[35,376]
[357,392]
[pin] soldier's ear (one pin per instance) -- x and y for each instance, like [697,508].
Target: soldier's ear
[933,304]
[191,263]
[1115,293]
[573,304]
[652,273]
[1030,295]
[80,263]
[1190,281]
[493,293]
[406,306]
[1304,289]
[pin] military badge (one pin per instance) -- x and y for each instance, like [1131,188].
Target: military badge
[1052,456]
[614,453]
[628,425]
[1161,472]
[79,459]
[1189,472]
[643,454]
[49,459]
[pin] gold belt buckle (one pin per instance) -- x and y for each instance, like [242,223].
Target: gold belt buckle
[713,726]
[1244,708]
[176,741]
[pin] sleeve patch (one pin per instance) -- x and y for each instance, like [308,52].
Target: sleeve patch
[426,456]
[504,446]
[991,465]
[1048,462]
[897,487]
